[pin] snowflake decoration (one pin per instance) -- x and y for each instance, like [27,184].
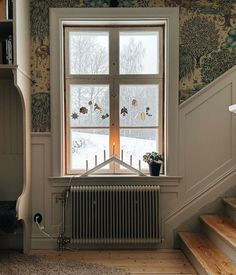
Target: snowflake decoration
[74,115]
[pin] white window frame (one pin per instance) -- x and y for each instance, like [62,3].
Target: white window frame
[127,16]
[113,79]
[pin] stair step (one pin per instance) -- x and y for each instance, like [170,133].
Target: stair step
[222,232]
[204,255]
[231,201]
[230,208]
[225,227]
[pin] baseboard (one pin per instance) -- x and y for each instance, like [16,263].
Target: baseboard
[43,243]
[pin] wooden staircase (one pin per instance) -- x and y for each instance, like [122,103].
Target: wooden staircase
[213,251]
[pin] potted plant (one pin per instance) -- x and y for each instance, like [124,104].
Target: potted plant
[154,161]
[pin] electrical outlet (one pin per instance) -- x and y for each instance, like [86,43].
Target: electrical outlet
[38,218]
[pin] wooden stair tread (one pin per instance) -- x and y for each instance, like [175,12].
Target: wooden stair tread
[225,227]
[208,255]
[231,201]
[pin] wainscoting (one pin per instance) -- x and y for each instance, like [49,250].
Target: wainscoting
[46,190]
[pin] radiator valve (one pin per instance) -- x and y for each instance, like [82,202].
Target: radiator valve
[62,241]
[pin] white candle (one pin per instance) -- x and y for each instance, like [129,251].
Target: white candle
[139,165]
[96,160]
[104,152]
[122,155]
[113,150]
[130,160]
[86,165]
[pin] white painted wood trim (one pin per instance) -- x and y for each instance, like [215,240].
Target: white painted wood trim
[205,191]
[22,81]
[60,16]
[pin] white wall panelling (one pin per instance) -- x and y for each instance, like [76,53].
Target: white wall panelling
[11,142]
[207,149]
[15,121]
[46,190]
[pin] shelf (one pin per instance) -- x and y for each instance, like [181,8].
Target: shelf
[8,67]
[6,21]
[6,70]
[6,28]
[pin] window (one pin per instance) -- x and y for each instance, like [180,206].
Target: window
[114,96]
[127,19]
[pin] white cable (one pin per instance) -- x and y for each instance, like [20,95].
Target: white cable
[41,228]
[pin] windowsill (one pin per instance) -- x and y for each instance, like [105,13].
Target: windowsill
[65,181]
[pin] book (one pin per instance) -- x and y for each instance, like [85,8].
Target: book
[9,49]
[6,51]
[9,9]
[1,62]
[3,9]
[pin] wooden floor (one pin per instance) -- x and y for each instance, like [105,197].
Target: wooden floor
[134,262]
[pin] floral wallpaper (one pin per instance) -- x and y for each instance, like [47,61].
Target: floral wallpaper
[207,45]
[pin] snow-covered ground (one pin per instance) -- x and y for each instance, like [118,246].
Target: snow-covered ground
[95,144]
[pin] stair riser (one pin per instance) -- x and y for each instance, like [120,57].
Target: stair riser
[230,212]
[221,243]
[193,260]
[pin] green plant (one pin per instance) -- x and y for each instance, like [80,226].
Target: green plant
[153,157]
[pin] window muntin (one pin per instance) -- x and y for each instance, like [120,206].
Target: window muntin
[143,131]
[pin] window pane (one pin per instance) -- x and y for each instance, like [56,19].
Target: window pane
[89,52]
[85,144]
[139,52]
[89,105]
[137,142]
[139,105]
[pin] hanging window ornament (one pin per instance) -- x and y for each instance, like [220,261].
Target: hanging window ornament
[90,102]
[75,115]
[97,108]
[134,103]
[83,110]
[142,116]
[147,111]
[76,146]
[105,116]
[124,111]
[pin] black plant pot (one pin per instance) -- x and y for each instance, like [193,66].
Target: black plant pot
[154,169]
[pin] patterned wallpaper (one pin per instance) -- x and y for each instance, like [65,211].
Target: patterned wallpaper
[207,45]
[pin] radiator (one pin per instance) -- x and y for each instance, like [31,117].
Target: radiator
[114,214]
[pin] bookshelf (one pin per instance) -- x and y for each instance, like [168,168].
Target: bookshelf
[15,109]
[6,32]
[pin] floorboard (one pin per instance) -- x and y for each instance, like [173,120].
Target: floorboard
[135,262]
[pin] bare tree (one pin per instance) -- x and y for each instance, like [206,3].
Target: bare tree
[87,56]
[131,57]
